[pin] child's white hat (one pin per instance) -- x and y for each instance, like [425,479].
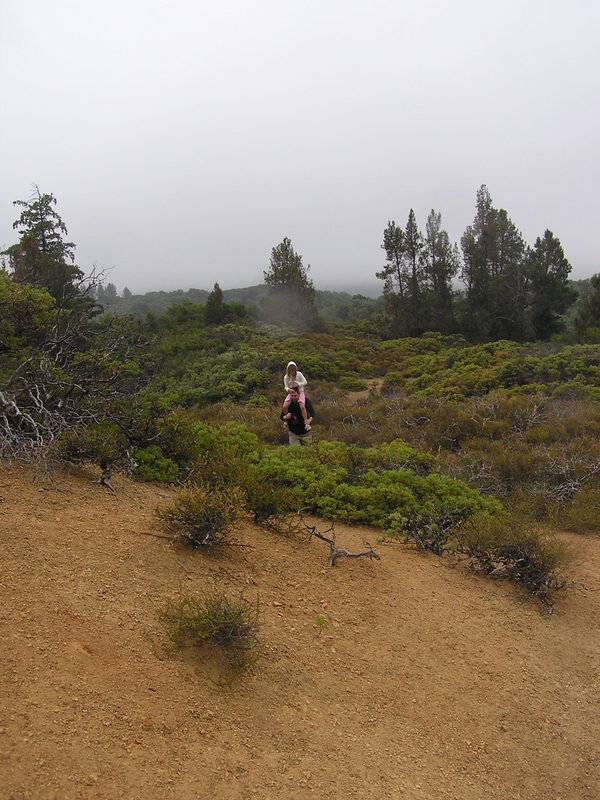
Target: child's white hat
[292,364]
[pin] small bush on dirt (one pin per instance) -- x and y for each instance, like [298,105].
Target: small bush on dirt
[527,555]
[271,505]
[202,516]
[232,625]
[320,622]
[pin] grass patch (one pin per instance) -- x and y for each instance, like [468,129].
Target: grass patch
[230,624]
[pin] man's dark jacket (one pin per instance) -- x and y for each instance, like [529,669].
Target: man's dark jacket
[296,422]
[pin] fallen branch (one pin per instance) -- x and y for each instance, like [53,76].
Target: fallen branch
[335,552]
[156,535]
[183,567]
[103,480]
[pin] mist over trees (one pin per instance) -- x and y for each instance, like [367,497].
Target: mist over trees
[493,286]
[511,290]
[291,297]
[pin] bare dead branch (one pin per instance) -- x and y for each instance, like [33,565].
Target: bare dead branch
[335,552]
[103,480]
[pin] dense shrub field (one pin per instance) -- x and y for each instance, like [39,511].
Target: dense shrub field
[417,436]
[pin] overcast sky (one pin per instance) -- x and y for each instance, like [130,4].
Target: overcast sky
[184,139]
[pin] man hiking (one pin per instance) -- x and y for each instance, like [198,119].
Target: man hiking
[297,433]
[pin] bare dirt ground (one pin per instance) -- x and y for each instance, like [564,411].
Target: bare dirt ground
[426,682]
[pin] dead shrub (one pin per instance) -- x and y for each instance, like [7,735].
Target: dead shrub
[427,530]
[569,466]
[582,515]
[524,554]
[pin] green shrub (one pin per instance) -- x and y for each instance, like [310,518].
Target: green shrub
[367,486]
[399,455]
[258,400]
[178,436]
[232,625]
[226,453]
[103,444]
[351,384]
[153,466]
[202,516]
[269,503]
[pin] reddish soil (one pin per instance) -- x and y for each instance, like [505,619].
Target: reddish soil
[426,683]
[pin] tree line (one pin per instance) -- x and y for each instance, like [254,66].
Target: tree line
[494,286]
[509,290]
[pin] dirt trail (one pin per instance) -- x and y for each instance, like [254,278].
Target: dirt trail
[426,683]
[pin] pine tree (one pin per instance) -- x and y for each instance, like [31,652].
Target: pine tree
[43,257]
[403,276]
[292,296]
[551,295]
[440,265]
[395,277]
[478,256]
[493,273]
[586,319]
[214,310]
[413,253]
[509,282]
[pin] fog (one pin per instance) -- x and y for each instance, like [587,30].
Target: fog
[184,140]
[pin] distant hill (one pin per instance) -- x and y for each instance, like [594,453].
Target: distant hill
[331,306]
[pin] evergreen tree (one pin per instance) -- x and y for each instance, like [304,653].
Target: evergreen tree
[215,310]
[395,277]
[511,291]
[41,220]
[440,265]
[42,257]
[110,295]
[551,294]
[586,319]
[413,253]
[403,277]
[292,294]
[477,245]
[509,282]
[494,273]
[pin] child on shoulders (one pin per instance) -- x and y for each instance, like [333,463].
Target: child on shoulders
[293,377]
